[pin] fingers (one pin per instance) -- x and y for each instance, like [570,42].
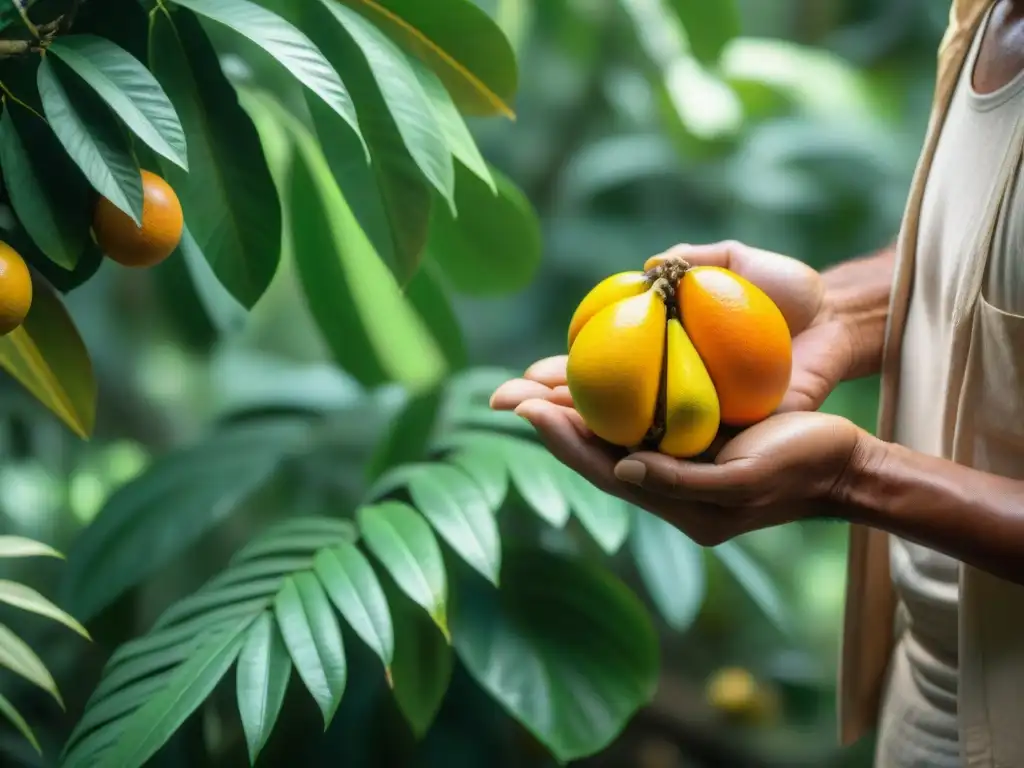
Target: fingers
[549,371]
[513,392]
[693,481]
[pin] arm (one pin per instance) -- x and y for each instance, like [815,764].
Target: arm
[858,294]
[971,515]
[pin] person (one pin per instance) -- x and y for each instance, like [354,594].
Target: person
[933,642]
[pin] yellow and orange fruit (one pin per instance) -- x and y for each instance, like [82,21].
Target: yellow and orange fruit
[15,289]
[121,239]
[667,356]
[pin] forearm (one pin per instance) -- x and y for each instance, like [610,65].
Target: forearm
[968,514]
[858,293]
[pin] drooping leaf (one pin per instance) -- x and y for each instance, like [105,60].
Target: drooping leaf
[406,100]
[352,586]
[313,637]
[605,517]
[487,471]
[431,302]
[16,656]
[18,546]
[494,245]
[130,90]
[460,42]
[563,646]
[286,43]
[150,726]
[228,195]
[92,137]
[671,566]
[47,356]
[756,582]
[14,717]
[28,599]
[47,191]
[709,26]
[264,669]
[367,322]
[422,666]
[159,514]
[403,542]
[64,280]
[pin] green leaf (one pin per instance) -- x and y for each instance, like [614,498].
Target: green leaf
[353,587]
[157,516]
[130,90]
[286,43]
[409,433]
[758,584]
[422,667]
[390,198]
[47,191]
[488,472]
[18,546]
[494,246]
[367,322]
[400,538]
[429,298]
[26,598]
[564,647]
[313,637]
[454,129]
[64,280]
[709,26]
[605,517]
[149,727]
[460,42]
[228,196]
[47,356]
[92,137]
[458,511]
[405,98]
[16,656]
[9,711]
[264,669]
[671,566]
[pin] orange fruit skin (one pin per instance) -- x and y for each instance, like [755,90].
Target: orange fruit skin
[148,245]
[743,339]
[15,289]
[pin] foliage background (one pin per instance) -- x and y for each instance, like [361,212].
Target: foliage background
[622,154]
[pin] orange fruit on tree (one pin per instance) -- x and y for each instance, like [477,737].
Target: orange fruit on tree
[15,289]
[131,245]
[664,357]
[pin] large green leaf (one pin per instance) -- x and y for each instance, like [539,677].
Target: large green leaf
[488,472]
[48,357]
[709,26]
[353,587]
[125,84]
[605,517]
[47,191]
[405,98]
[64,280]
[756,582]
[367,322]
[264,669]
[671,566]
[429,298]
[92,137]
[28,599]
[228,195]
[390,198]
[311,632]
[16,656]
[564,647]
[459,41]
[401,539]
[157,516]
[286,43]
[494,246]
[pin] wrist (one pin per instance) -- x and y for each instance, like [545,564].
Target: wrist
[855,490]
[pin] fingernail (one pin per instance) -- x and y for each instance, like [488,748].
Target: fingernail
[631,471]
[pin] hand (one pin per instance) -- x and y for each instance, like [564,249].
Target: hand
[822,347]
[785,468]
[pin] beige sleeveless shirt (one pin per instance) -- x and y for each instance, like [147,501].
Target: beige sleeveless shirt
[982,415]
[919,717]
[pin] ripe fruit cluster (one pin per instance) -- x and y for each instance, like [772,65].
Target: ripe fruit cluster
[662,358]
[117,235]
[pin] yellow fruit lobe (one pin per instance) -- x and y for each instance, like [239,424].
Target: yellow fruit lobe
[608,291]
[148,245]
[614,368]
[691,403]
[15,289]
[743,339]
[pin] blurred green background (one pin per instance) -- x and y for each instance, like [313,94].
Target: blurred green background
[802,140]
